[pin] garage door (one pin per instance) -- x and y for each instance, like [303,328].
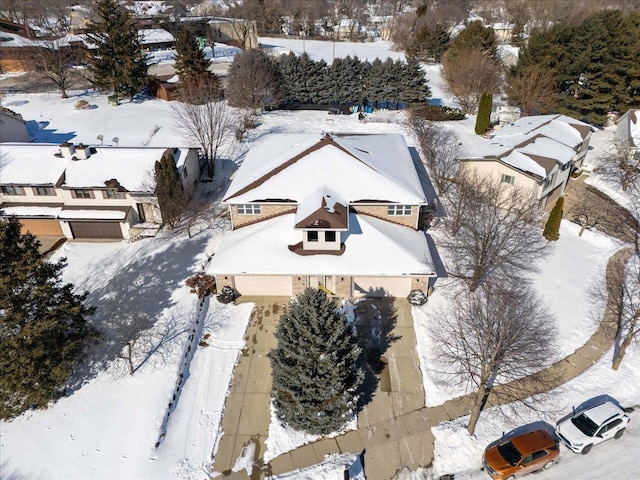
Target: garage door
[381,286]
[280,285]
[41,226]
[102,230]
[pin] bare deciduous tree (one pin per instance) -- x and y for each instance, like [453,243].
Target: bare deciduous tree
[588,211]
[621,299]
[204,118]
[133,332]
[251,82]
[495,230]
[441,149]
[620,162]
[469,73]
[53,61]
[532,89]
[490,339]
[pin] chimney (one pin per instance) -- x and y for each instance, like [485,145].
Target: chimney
[83,151]
[67,149]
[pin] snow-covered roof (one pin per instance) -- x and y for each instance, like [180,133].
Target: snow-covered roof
[131,167]
[31,211]
[30,164]
[89,214]
[376,167]
[42,164]
[154,35]
[561,128]
[262,249]
[531,153]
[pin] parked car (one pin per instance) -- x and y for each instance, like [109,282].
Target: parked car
[522,454]
[591,426]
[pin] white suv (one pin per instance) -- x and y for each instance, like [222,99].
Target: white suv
[592,426]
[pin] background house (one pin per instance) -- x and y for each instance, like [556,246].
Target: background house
[83,192]
[339,212]
[536,153]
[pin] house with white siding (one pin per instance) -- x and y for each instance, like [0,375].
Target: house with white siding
[86,192]
[342,212]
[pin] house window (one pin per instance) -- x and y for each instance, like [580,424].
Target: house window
[510,179]
[312,236]
[399,210]
[81,193]
[44,191]
[11,190]
[249,209]
[112,193]
[549,180]
[330,236]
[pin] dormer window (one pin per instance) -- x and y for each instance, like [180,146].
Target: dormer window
[249,209]
[399,210]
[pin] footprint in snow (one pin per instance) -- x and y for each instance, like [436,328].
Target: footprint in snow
[72,438]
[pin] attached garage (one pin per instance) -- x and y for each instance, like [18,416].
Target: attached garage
[276,285]
[381,286]
[96,230]
[42,226]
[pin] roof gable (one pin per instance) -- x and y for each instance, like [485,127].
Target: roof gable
[356,167]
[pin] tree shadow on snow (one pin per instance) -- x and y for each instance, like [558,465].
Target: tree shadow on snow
[132,309]
[375,320]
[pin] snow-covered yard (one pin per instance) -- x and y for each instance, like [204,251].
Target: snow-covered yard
[110,423]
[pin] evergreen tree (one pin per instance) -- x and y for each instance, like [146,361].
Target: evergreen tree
[191,61]
[552,227]
[43,328]
[169,189]
[430,42]
[117,62]
[477,37]
[483,120]
[595,65]
[316,368]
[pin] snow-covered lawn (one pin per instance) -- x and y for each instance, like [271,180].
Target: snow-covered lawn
[109,425]
[565,277]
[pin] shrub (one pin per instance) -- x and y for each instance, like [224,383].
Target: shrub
[552,227]
[201,284]
[417,298]
[483,119]
[438,113]
[228,295]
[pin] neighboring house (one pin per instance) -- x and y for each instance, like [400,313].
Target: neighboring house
[13,128]
[83,192]
[628,130]
[537,153]
[153,39]
[340,212]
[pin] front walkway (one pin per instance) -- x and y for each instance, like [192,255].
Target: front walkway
[394,430]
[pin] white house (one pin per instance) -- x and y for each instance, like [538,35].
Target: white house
[537,153]
[83,192]
[342,212]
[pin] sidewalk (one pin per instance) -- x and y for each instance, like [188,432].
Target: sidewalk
[394,430]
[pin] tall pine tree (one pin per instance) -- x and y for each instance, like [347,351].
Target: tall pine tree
[118,64]
[43,328]
[191,61]
[316,368]
[169,189]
